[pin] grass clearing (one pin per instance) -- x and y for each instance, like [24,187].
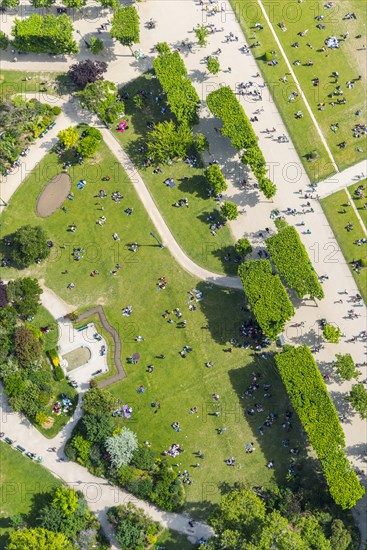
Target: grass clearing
[302,131]
[23,487]
[360,201]
[24,82]
[350,60]
[171,540]
[334,206]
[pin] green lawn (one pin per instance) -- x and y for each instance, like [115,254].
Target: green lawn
[43,318]
[189,225]
[15,82]
[174,541]
[302,131]
[333,207]
[23,487]
[359,202]
[350,60]
[177,383]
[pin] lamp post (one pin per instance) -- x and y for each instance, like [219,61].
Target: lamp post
[156,238]
[86,43]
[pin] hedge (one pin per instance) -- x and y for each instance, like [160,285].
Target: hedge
[182,97]
[293,263]
[59,373]
[312,403]
[53,355]
[237,127]
[224,104]
[267,296]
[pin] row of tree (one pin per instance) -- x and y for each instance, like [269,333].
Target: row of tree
[293,263]
[267,296]
[311,401]
[237,127]
[181,95]
[117,454]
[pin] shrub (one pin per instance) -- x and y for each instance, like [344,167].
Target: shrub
[332,334]
[59,373]
[56,110]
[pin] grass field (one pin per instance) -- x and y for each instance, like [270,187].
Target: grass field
[177,383]
[23,485]
[333,207]
[189,225]
[174,541]
[350,60]
[360,202]
[22,82]
[302,131]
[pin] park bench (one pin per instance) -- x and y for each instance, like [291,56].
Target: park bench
[20,448]
[8,440]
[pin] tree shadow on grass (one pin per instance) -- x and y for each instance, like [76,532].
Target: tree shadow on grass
[303,467]
[200,510]
[196,185]
[222,310]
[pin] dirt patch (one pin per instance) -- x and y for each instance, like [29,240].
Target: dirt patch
[53,195]
[48,424]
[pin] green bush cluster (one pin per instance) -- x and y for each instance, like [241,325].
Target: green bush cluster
[21,121]
[267,296]
[292,262]
[134,529]
[181,94]
[311,401]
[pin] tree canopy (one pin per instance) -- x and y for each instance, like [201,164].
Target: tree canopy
[68,137]
[229,210]
[215,178]
[267,296]
[125,26]
[44,34]
[121,447]
[101,97]
[345,366]
[166,141]
[24,294]
[182,97]
[292,262]
[28,244]
[87,71]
